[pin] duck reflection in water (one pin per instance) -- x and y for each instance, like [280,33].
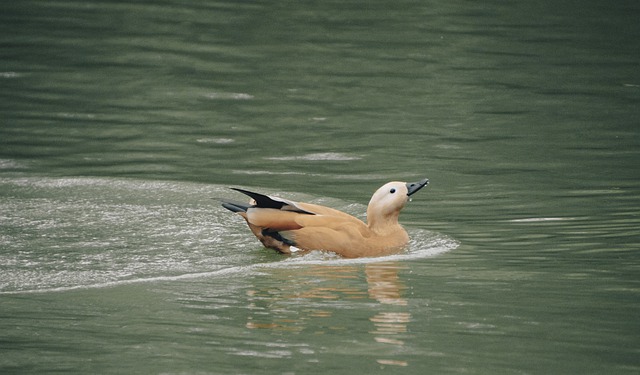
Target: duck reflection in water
[322,292]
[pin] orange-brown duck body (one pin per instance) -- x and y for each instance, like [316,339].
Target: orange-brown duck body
[291,227]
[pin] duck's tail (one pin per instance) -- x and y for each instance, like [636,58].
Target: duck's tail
[235,206]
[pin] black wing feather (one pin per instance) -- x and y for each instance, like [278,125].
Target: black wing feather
[263,201]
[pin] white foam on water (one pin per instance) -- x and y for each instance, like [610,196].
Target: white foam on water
[66,234]
[437,245]
[321,156]
[540,219]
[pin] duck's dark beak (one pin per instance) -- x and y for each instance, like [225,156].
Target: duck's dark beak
[413,187]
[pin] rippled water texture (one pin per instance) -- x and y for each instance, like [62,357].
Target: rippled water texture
[123,124]
[101,232]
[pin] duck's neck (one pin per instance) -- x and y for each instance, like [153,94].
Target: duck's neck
[383,225]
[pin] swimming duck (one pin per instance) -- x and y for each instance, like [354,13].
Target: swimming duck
[291,227]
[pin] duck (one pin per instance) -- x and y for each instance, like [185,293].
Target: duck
[295,227]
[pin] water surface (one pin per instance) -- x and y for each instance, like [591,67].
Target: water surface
[123,124]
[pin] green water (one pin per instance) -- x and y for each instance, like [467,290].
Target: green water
[122,124]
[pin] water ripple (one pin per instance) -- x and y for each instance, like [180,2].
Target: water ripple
[80,233]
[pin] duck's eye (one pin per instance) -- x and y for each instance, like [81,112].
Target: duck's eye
[392,190]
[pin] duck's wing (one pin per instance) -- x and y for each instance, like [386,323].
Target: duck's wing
[265,201]
[309,232]
[326,211]
[346,236]
[280,214]
[280,223]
